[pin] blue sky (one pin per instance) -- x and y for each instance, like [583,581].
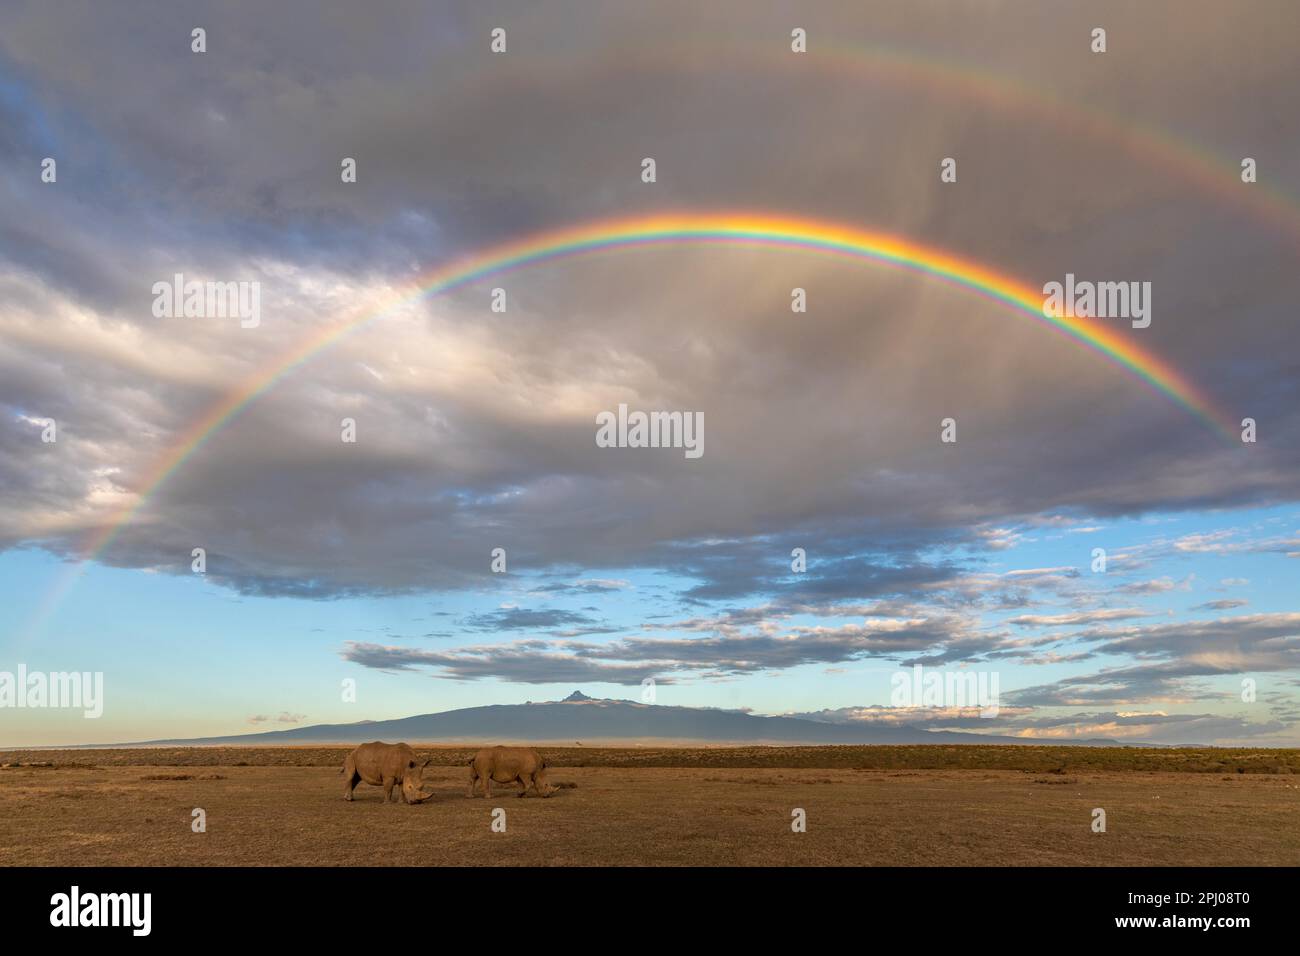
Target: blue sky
[182,657]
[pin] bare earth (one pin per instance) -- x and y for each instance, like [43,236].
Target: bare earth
[635,806]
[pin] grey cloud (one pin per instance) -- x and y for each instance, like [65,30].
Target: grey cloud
[1128,727]
[1224,605]
[525,663]
[629,659]
[515,619]
[1173,656]
[1078,617]
[236,159]
[583,587]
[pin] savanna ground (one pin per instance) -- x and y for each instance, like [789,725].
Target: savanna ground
[872,806]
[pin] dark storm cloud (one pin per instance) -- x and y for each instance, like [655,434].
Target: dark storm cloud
[477,430]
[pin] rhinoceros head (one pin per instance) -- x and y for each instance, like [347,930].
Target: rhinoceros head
[412,781]
[542,785]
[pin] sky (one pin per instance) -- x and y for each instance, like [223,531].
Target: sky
[371,561]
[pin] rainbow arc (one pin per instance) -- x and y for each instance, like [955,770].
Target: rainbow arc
[727,228]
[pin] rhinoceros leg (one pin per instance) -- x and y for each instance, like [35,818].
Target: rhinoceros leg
[523,787]
[350,771]
[388,788]
[487,785]
[473,779]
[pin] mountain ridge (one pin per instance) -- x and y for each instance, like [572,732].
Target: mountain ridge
[579,717]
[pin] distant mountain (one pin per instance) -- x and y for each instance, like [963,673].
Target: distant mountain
[579,717]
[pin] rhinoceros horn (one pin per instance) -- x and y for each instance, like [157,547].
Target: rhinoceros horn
[414,792]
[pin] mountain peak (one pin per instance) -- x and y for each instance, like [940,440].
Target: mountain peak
[576,697]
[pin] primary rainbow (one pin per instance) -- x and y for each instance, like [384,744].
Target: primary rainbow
[725,228]
[744,229]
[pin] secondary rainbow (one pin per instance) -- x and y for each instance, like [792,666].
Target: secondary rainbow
[742,229]
[863,66]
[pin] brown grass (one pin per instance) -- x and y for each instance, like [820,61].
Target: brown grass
[1033,759]
[284,806]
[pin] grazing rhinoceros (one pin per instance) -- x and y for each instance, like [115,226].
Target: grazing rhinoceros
[386,765]
[523,765]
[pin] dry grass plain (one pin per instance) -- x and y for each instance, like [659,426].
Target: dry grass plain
[866,806]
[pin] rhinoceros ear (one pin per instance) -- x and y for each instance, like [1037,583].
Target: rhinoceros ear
[411,765]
